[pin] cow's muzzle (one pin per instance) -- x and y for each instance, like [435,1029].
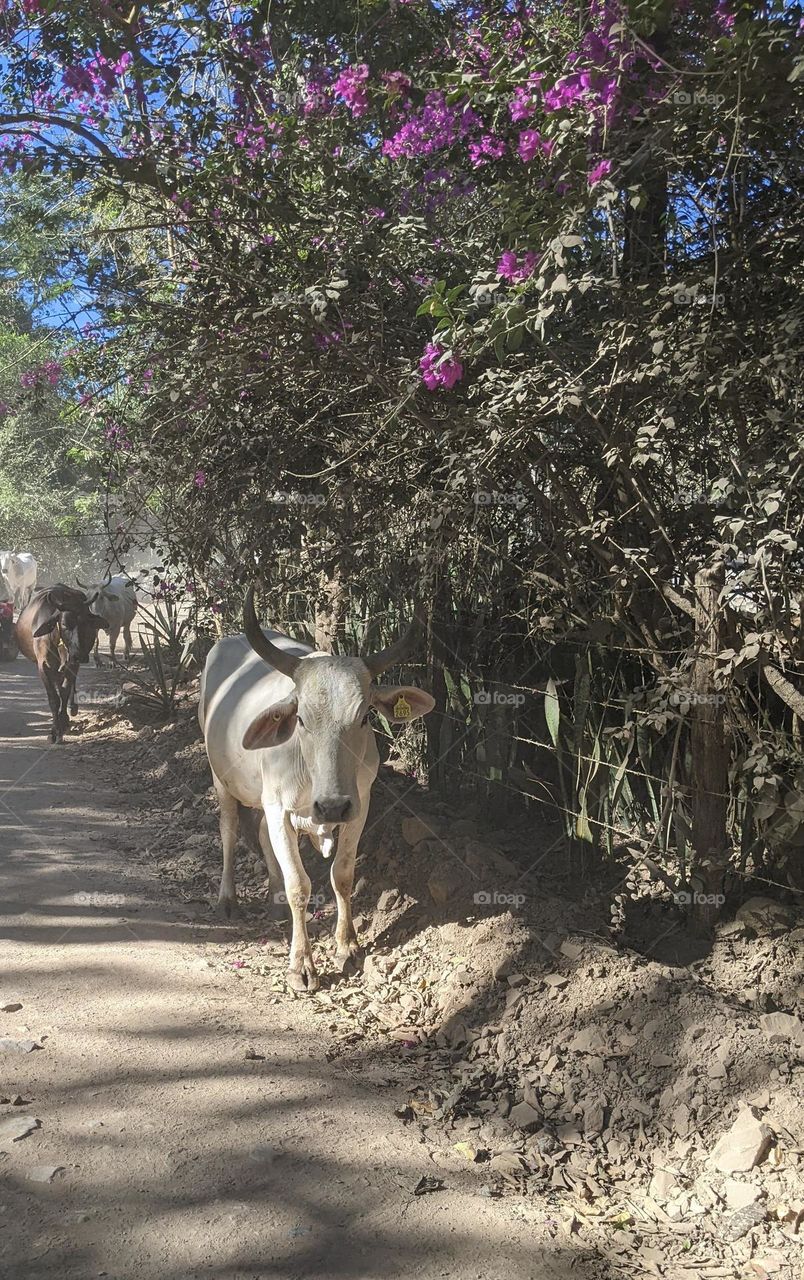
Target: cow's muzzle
[332,809]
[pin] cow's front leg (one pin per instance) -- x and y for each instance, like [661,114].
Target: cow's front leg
[342,876]
[275,880]
[68,696]
[229,821]
[64,714]
[48,678]
[114,632]
[302,975]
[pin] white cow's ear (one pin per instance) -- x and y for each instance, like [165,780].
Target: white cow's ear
[272,727]
[402,703]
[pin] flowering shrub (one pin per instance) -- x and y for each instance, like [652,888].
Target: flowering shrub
[544,255]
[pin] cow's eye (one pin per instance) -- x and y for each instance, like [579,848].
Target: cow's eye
[365,719]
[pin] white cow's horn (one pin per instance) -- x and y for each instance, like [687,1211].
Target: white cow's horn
[278,658]
[396,652]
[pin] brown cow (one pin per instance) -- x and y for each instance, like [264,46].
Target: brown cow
[56,630]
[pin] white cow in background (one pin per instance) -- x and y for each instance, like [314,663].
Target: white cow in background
[19,574]
[114,600]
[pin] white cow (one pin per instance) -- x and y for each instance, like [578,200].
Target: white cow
[19,573]
[115,600]
[287,731]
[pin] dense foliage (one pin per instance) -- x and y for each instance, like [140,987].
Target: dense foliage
[46,483]
[497,305]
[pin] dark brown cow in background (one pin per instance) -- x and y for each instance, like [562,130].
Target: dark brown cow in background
[57,631]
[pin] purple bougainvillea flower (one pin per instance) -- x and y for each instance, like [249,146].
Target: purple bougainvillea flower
[437,126]
[438,371]
[522,105]
[531,143]
[396,82]
[350,87]
[488,148]
[600,171]
[724,18]
[511,268]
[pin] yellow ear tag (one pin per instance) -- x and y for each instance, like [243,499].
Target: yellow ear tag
[402,709]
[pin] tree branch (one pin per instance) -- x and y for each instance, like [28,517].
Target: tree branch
[783,689]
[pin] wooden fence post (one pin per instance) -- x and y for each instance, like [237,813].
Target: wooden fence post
[438,726]
[709,752]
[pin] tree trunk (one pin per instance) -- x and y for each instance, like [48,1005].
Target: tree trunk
[644,240]
[709,753]
[336,558]
[330,610]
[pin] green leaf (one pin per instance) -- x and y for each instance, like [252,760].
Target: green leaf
[551,710]
[582,829]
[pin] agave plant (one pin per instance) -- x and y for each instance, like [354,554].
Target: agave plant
[168,650]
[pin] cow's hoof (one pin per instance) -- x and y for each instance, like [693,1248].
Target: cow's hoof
[304,980]
[227,908]
[349,959]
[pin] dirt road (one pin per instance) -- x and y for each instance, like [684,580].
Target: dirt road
[179,1155]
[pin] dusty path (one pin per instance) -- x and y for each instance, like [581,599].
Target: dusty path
[180,1156]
